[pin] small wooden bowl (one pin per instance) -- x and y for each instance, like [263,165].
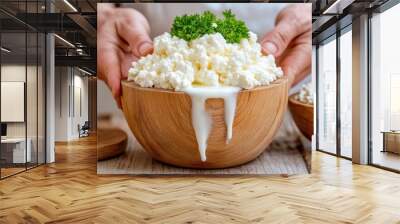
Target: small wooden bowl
[161,122]
[303,116]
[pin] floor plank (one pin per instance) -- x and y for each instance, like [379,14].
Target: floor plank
[70,191]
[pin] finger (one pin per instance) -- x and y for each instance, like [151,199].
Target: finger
[296,63]
[108,62]
[126,63]
[104,11]
[276,41]
[291,22]
[134,29]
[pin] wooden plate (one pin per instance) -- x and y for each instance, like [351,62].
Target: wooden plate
[111,142]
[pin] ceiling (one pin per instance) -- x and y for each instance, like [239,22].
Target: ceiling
[331,15]
[76,25]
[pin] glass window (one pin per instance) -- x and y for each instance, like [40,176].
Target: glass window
[385,89]
[327,96]
[346,94]
[15,150]
[22,92]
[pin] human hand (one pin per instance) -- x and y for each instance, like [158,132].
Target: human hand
[290,41]
[122,37]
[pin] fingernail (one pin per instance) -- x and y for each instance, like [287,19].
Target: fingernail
[270,47]
[145,48]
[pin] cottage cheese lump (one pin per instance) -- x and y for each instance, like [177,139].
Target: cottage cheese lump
[305,95]
[206,61]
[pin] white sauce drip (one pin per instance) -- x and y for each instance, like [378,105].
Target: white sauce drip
[202,121]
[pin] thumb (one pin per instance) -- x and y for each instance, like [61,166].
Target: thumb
[276,41]
[141,44]
[134,29]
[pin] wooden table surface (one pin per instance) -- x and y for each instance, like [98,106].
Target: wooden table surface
[284,156]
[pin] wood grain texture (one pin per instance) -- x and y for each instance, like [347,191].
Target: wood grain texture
[161,122]
[113,143]
[303,116]
[282,157]
[70,191]
[7,171]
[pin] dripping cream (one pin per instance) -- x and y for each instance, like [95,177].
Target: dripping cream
[201,120]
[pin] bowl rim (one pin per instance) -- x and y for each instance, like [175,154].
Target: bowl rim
[298,102]
[132,84]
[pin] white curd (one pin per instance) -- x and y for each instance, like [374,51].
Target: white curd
[305,95]
[208,60]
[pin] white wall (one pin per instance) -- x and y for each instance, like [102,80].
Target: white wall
[33,126]
[61,104]
[12,73]
[69,82]
[79,117]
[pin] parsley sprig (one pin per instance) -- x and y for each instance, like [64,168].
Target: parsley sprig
[190,27]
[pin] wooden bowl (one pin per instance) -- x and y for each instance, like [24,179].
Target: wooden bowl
[161,122]
[303,116]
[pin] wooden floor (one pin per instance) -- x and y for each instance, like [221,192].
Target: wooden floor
[69,191]
[8,171]
[387,159]
[5,172]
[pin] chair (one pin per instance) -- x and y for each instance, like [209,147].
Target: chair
[84,129]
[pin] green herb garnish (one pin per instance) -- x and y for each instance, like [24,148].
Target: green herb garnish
[190,27]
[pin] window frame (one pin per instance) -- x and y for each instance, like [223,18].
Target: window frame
[334,37]
[371,13]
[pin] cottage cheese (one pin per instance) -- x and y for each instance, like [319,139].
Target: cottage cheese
[305,95]
[206,61]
